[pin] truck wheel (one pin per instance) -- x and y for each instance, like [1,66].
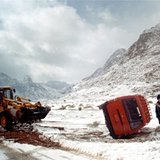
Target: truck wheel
[6,121]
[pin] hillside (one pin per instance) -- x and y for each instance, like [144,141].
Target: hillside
[135,70]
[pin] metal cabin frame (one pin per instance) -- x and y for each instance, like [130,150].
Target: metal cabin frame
[126,115]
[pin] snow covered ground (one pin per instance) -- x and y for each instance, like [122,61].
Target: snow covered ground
[84,136]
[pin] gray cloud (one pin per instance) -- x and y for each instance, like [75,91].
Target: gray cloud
[66,39]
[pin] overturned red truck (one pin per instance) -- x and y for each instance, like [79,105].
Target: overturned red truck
[126,115]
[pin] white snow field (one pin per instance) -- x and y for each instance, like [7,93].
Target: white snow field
[83,135]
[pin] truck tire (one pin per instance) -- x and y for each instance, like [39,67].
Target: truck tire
[6,121]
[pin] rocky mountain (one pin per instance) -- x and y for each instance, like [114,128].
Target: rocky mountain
[33,90]
[62,87]
[112,59]
[136,70]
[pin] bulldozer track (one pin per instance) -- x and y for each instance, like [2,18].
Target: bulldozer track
[37,139]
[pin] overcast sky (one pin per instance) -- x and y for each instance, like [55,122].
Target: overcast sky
[68,40]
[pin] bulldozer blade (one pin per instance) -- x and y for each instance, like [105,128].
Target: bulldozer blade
[33,114]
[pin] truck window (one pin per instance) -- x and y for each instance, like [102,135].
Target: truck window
[133,113]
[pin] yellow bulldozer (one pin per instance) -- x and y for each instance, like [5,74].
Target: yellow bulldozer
[15,109]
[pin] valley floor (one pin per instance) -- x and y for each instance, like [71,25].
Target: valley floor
[73,134]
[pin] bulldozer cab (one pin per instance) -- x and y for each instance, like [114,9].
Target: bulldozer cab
[7,92]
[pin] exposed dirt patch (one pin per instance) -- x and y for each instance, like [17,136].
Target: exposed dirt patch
[28,136]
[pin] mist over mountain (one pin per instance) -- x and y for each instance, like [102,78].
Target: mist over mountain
[33,90]
[112,59]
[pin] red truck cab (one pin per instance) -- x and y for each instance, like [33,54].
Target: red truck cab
[126,115]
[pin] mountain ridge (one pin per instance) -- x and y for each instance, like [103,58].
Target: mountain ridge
[137,69]
[33,90]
